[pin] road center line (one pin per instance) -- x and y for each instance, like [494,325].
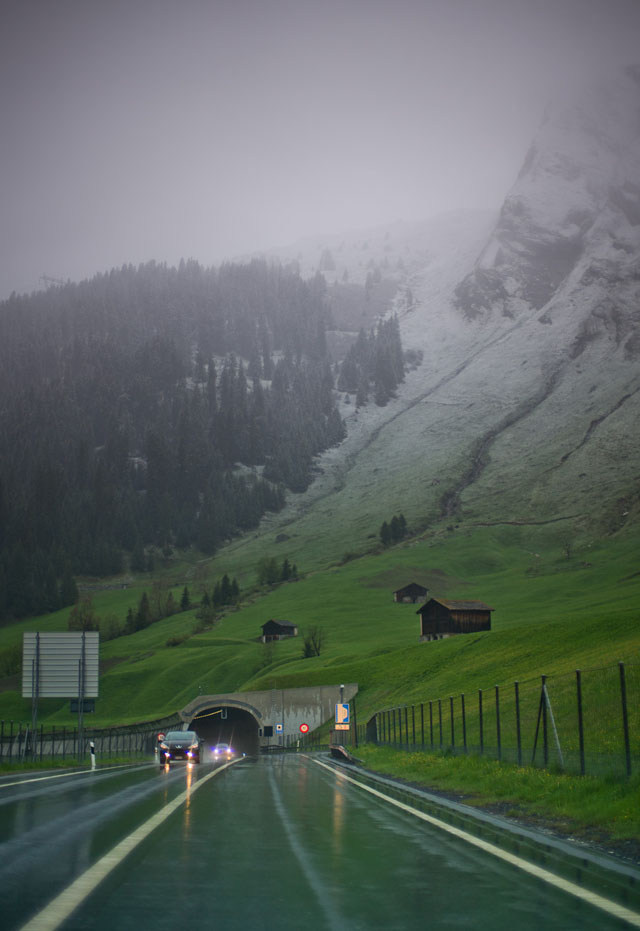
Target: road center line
[59,909]
[605,905]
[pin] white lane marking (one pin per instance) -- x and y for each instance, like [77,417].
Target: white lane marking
[59,909]
[80,772]
[605,905]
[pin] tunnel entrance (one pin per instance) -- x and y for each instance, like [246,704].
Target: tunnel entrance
[225,724]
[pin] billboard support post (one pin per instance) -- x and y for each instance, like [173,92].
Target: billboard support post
[81,699]
[35,690]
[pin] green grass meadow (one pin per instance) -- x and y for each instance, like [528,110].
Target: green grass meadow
[552,615]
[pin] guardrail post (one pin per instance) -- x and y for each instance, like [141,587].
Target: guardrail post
[625,718]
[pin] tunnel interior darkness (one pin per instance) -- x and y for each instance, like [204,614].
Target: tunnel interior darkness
[233,726]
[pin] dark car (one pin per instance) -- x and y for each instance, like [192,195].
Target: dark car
[180,745]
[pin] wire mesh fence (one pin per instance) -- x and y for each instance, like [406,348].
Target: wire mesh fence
[582,722]
[19,742]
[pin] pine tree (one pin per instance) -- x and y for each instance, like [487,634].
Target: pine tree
[143,615]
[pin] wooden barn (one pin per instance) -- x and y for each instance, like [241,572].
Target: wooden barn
[278,630]
[410,593]
[440,618]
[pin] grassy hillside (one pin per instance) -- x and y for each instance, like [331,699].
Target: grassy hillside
[553,614]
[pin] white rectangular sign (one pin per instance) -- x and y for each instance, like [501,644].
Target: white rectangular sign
[52,664]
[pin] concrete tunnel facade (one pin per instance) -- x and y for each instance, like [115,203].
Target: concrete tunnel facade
[250,721]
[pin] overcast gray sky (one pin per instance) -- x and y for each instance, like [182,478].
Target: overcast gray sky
[140,129]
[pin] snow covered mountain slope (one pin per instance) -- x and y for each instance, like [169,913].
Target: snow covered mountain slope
[526,406]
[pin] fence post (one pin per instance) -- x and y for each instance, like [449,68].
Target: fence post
[464,723]
[394,726]
[406,725]
[580,720]
[422,724]
[1,741]
[440,720]
[625,718]
[41,736]
[498,722]
[545,735]
[355,720]
[453,735]
[431,722]
[480,722]
[518,733]
[413,724]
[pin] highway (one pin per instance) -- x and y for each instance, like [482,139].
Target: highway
[282,842]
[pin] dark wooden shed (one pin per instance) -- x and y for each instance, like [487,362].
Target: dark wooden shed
[440,618]
[278,630]
[410,593]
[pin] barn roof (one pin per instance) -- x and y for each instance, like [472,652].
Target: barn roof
[280,623]
[458,605]
[411,585]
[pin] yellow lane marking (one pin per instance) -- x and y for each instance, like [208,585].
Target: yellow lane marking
[605,905]
[59,909]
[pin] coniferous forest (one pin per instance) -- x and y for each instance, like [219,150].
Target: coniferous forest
[155,406]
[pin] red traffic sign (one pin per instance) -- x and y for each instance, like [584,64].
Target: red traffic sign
[304,728]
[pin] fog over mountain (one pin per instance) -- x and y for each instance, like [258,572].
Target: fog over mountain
[525,407]
[144,130]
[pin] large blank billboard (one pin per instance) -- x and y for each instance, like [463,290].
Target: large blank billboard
[53,663]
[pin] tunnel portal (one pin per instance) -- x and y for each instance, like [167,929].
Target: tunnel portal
[225,724]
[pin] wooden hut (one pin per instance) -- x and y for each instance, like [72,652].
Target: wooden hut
[278,630]
[440,618]
[410,593]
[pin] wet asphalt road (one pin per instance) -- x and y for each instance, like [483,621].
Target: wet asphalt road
[274,843]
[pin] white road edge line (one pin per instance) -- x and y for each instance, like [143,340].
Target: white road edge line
[605,905]
[59,909]
[79,772]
